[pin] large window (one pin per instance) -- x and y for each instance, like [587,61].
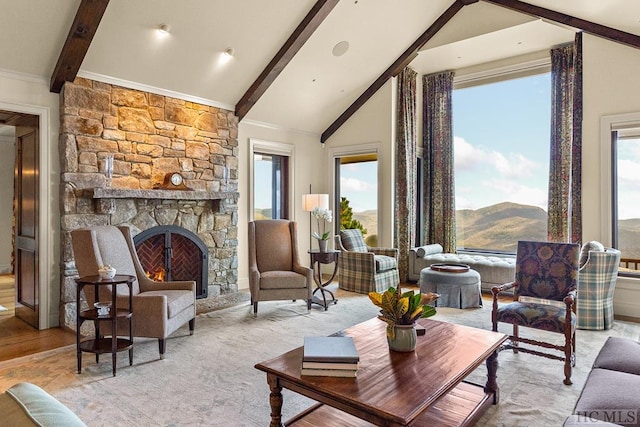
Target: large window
[501,155]
[270,183]
[626,193]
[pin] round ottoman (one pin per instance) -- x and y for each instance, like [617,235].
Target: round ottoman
[457,290]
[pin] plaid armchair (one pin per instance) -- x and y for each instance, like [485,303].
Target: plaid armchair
[596,283]
[364,269]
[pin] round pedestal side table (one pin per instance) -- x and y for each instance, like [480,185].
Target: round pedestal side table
[99,344]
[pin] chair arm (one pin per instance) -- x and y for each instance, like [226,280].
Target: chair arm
[185,285]
[392,252]
[305,271]
[571,297]
[362,256]
[497,289]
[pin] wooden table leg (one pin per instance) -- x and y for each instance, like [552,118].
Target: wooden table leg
[492,383]
[275,400]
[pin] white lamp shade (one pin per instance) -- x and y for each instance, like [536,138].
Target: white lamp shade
[312,201]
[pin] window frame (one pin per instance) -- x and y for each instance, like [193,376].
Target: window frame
[260,146]
[347,151]
[610,125]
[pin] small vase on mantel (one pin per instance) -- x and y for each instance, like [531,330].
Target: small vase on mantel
[322,245]
[405,338]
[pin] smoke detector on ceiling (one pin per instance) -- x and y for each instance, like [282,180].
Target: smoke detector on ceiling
[340,48]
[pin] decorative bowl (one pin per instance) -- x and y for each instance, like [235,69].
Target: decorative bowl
[103,308]
[106,272]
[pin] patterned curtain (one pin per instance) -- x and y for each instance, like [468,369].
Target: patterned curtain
[565,164]
[405,179]
[438,182]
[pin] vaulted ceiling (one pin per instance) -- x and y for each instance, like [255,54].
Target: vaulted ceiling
[310,77]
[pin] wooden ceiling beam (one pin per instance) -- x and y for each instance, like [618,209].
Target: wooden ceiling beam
[581,24]
[75,48]
[298,38]
[395,68]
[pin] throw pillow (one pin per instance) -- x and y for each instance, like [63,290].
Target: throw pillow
[352,240]
[435,248]
[589,246]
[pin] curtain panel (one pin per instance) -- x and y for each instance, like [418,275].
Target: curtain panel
[438,182]
[565,163]
[406,175]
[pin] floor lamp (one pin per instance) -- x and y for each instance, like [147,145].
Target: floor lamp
[309,203]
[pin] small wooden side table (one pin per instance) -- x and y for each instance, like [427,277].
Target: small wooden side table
[100,344]
[317,259]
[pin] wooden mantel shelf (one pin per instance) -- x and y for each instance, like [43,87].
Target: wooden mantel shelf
[125,193]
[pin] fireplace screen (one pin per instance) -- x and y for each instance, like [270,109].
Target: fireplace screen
[170,252]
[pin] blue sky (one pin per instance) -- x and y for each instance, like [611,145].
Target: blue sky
[501,142]
[358,183]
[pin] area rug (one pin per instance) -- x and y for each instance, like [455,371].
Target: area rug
[209,379]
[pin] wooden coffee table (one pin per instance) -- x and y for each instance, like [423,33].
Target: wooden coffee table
[421,388]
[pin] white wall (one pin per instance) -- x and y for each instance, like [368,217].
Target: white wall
[374,123]
[31,95]
[308,170]
[610,78]
[7,159]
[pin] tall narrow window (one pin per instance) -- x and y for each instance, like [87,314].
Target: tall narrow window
[357,194]
[501,154]
[270,183]
[626,193]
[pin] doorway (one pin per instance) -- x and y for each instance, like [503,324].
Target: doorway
[19,215]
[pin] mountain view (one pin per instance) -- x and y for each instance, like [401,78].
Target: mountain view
[500,226]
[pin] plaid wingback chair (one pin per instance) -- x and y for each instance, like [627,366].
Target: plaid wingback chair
[596,283]
[362,268]
[545,289]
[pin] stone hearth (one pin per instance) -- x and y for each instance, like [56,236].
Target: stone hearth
[149,135]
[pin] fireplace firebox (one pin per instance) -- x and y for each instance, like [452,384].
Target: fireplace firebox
[169,252]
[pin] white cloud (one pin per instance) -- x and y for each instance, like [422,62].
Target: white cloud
[470,158]
[353,184]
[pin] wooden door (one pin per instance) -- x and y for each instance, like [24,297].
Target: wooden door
[26,216]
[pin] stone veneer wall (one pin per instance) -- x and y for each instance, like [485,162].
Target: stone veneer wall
[149,136]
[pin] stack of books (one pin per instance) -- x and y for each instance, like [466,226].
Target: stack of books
[330,357]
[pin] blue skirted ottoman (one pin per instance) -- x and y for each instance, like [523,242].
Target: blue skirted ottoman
[458,289]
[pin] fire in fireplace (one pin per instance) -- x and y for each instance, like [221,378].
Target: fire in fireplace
[169,252]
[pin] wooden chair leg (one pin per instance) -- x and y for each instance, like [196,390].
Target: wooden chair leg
[255,307]
[192,325]
[309,304]
[569,347]
[161,347]
[515,342]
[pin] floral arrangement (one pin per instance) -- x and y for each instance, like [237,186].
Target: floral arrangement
[399,308]
[326,216]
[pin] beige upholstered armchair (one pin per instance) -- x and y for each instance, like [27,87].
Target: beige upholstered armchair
[159,308]
[275,272]
[362,268]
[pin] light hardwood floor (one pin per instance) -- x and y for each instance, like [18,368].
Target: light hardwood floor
[17,338]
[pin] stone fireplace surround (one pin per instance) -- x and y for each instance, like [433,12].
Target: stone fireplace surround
[149,136]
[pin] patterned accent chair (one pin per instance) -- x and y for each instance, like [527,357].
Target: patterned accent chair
[596,284]
[159,308]
[364,269]
[275,272]
[544,294]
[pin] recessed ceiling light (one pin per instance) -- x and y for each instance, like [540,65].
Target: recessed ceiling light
[164,29]
[229,51]
[340,48]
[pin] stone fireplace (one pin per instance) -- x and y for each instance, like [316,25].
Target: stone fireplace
[149,136]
